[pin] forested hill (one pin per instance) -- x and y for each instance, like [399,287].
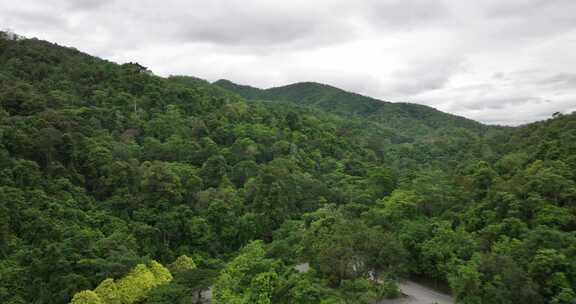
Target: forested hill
[412,119]
[119,186]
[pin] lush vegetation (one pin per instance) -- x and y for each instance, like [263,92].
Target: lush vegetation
[105,168]
[411,120]
[133,288]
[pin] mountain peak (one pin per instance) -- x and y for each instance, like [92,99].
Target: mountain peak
[342,102]
[245,91]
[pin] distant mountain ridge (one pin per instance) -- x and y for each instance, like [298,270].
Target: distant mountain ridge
[414,119]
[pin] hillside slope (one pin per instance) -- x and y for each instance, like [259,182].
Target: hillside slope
[412,119]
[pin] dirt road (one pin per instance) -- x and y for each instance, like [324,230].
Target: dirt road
[419,294]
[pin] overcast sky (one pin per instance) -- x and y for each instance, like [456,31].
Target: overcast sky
[495,61]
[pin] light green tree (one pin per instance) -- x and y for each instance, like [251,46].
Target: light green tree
[86,297]
[161,273]
[182,264]
[249,278]
[135,286]
[108,291]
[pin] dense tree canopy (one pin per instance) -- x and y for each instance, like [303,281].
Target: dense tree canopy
[105,168]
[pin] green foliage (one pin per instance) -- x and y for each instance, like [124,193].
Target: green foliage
[411,118]
[493,279]
[381,182]
[399,206]
[86,297]
[105,166]
[248,278]
[182,264]
[389,290]
[132,288]
[169,294]
[108,292]
[135,286]
[261,288]
[340,248]
[161,274]
[446,249]
[306,289]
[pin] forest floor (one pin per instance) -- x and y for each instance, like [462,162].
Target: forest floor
[207,296]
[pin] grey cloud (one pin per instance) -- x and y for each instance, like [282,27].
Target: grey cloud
[512,7]
[497,102]
[561,80]
[91,4]
[265,31]
[520,114]
[424,82]
[81,5]
[406,14]
[540,79]
[253,24]
[32,19]
[531,18]
[432,74]
[493,105]
[329,22]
